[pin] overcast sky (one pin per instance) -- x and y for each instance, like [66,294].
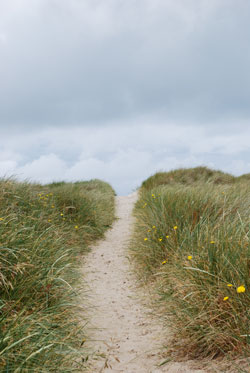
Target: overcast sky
[120,89]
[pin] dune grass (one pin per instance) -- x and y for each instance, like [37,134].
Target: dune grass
[44,231]
[192,241]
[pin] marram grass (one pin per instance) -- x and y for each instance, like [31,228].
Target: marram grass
[44,231]
[192,240]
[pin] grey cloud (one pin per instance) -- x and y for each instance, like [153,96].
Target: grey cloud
[119,89]
[90,61]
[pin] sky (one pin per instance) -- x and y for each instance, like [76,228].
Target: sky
[120,89]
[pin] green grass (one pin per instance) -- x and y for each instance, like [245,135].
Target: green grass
[192,242]
[44,231]
[190,176]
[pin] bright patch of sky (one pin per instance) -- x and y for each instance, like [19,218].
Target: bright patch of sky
[118,90]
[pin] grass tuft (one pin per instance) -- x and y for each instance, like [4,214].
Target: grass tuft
[192,241]
[44,231]
[189,176]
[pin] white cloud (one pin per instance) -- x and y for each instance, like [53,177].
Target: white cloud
[45,169]
[122,155]
[3,38]
[238,166]
[7,168]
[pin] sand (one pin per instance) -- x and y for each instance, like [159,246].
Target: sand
[124,334]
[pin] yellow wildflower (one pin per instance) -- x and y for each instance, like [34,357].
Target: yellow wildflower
[164,261]
[154,227]
[153,195]
[1,219]
[175,227]
[145,239]
[212,242]
[61,214]
[229,285]
[149,230]
[49,220]
[190,257]
[160,239]
[167,236]
[225,298]
[76,226]
[241,289]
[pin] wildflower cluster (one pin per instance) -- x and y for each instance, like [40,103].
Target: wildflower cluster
[239,289]
[153,235]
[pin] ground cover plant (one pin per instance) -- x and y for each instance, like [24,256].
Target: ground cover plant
[44,231]
[192,241]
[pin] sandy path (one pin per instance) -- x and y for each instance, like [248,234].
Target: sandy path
[125,337]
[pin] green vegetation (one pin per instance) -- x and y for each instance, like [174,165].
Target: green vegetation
[44,230]
[189,176]
[191,242]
